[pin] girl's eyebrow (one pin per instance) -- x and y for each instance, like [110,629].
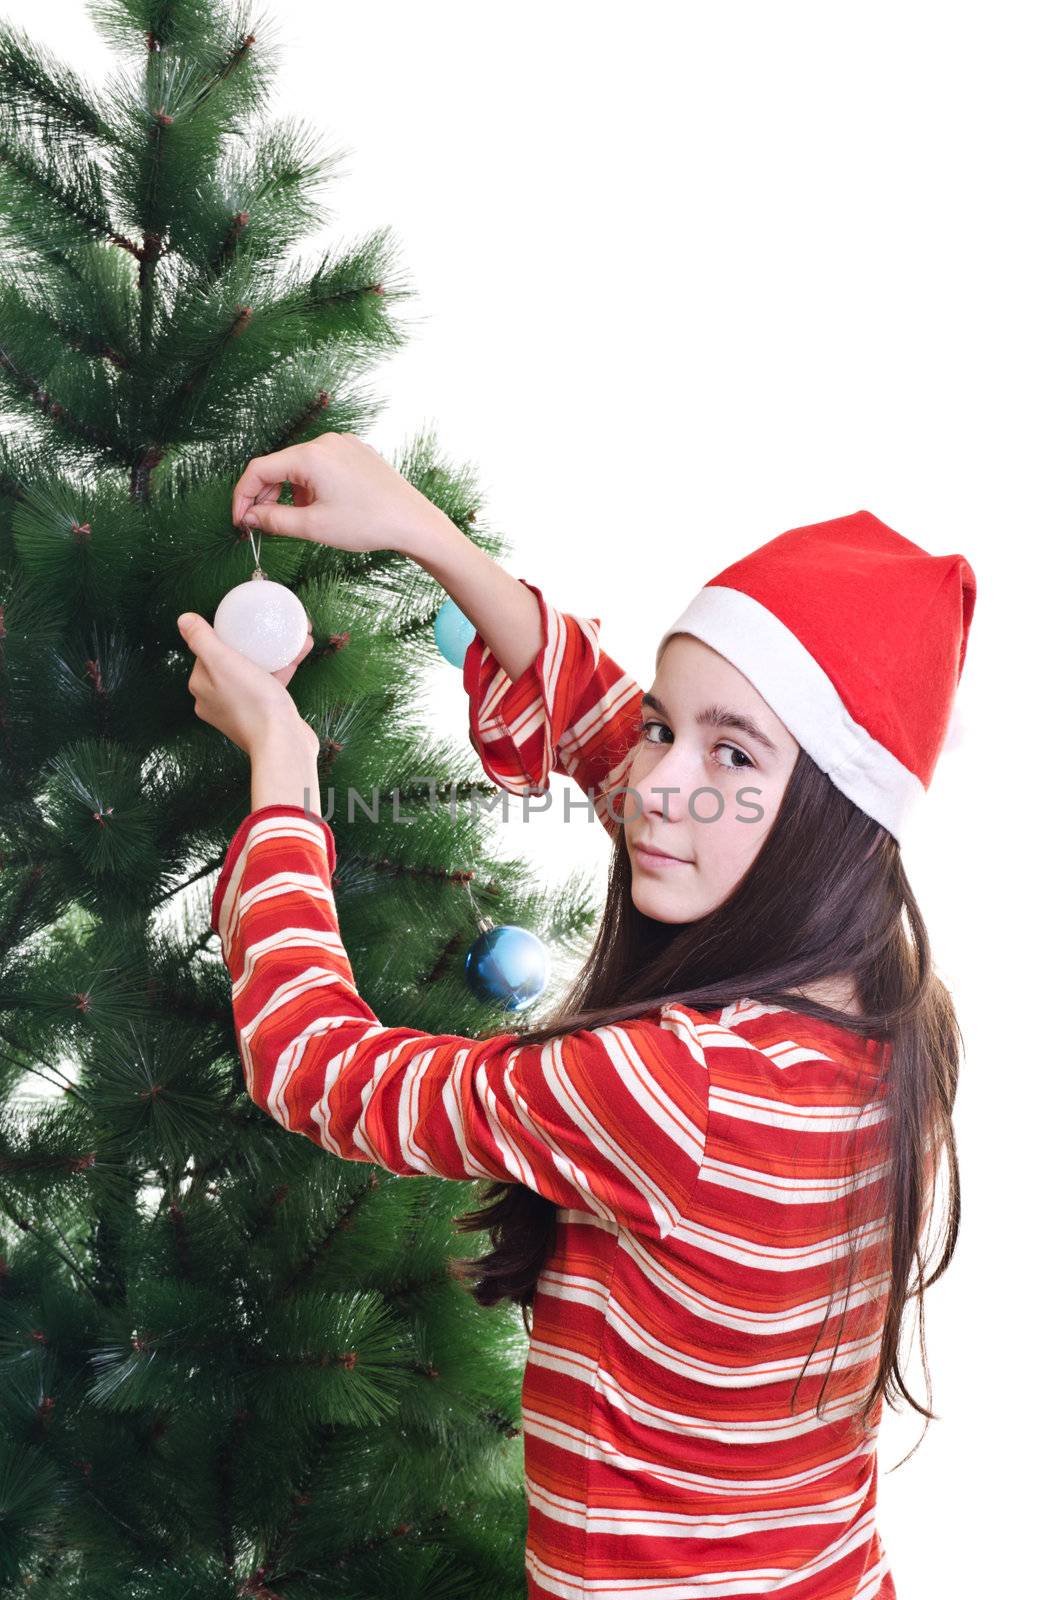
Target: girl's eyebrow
[718,717]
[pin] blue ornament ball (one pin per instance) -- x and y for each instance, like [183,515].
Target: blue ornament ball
[453,632]
[508,964]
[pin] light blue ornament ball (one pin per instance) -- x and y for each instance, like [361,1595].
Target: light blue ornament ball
[453,632]
[508,964]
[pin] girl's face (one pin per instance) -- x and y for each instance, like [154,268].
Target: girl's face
[694,745]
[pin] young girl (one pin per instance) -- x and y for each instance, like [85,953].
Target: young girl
[715,1161]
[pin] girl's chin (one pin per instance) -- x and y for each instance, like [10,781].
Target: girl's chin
[658,901]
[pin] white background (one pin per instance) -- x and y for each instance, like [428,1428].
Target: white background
[687,277]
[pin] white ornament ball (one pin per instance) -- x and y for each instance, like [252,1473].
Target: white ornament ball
[264,621]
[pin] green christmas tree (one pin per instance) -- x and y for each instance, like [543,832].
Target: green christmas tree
[230,1363]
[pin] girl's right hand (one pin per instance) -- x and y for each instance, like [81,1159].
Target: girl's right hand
[345,495]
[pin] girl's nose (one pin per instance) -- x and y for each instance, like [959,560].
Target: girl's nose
[664,790]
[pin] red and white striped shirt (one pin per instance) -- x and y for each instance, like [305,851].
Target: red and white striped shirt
[699,1163]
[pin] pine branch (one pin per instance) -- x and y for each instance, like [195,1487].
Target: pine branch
[340,1222]
[163,998]
[226,1488]
[299,425]
[45,92]
[453,944]
[186,883]
[28,1227]
[52,207]
[200,1174]
[324,1434]
[11,931]
[140,480]
[234,57]
[75,337]
[201,942]
[38,1071]
[147,1549]
[38,399]
[275,186]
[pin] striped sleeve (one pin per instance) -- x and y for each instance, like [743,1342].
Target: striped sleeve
[610,1120]
[574,710]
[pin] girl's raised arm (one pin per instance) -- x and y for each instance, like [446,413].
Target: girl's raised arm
[543,696]
[496,604]
[573,710]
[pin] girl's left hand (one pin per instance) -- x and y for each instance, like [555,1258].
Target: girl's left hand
[235,695]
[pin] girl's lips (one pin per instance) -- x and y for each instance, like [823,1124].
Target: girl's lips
[649,858]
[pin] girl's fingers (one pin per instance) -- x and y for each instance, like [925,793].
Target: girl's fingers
[269,472]
[270,517]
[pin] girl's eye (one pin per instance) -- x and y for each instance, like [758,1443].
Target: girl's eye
[735,766]
[744,761]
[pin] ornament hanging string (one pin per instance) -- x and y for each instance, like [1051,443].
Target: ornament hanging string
[483,922]
[255,548]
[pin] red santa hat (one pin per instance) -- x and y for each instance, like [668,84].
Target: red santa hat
[856,637]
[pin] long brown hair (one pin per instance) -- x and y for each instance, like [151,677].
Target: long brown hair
[826,895]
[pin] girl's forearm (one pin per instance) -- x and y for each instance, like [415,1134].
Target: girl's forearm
[283,769]
[501,608]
